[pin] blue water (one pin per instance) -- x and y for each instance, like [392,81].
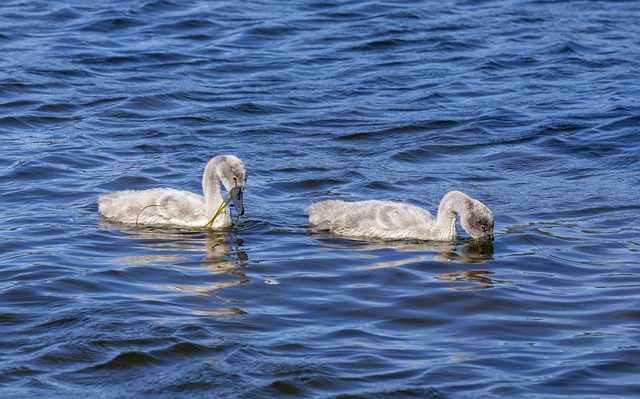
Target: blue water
[531,107]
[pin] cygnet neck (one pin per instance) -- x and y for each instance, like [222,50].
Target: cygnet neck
[452,204]
[211,188]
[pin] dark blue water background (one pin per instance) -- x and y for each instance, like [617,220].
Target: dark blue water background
[531,107]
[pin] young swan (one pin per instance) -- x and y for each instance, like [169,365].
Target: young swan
[393,220]
[171,207]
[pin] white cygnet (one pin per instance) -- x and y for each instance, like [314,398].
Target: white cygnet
[171,207]
[393,220]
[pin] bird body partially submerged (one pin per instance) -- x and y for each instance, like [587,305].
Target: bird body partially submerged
[177,208]
[394,220]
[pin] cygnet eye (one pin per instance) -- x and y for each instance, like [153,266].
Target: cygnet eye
[483,227]
[235,179]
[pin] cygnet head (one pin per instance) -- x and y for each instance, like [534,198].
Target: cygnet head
[233,176]
[477,220]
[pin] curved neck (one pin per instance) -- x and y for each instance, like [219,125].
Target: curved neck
[452,204]
[211,190]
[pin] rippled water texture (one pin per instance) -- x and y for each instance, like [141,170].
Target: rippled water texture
[529,106]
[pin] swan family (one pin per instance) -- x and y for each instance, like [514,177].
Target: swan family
[366,219]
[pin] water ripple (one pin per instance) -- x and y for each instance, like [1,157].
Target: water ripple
[529,106]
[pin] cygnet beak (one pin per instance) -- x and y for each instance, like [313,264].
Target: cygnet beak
[236,197]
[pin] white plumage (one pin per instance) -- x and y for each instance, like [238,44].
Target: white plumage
[171,207]
[393,220]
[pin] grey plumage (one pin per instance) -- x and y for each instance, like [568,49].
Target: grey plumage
[393,220]
[171,207]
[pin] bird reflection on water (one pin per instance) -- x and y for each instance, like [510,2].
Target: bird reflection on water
[446,252]
[468,276]
[449,252]
[181,251]
[468,253]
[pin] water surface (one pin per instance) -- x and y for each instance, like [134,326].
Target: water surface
[529,106]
